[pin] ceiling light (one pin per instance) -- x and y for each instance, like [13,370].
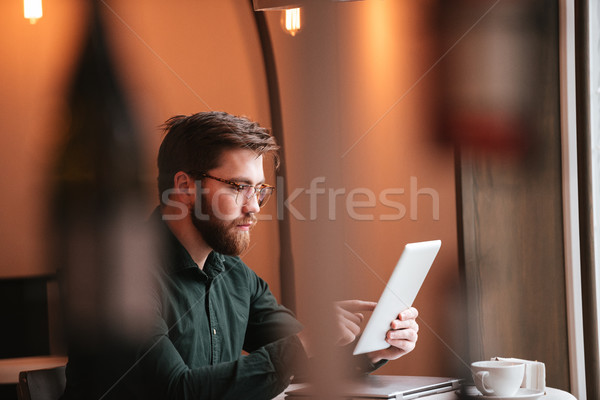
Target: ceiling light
[32,10]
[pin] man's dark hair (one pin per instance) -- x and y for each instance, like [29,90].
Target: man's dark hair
[196,142]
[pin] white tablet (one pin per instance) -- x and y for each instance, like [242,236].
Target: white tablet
[399,293]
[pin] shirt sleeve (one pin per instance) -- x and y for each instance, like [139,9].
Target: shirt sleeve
[262,374]
[268,321]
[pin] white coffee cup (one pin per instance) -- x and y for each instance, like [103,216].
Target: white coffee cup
[497,378]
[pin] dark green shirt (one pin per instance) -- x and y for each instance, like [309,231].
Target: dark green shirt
[204,319]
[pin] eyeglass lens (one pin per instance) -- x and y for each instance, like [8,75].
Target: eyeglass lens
[262,194]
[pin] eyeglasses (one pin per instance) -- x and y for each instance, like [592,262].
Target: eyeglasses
[262,192]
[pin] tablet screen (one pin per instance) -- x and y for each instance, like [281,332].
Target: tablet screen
[399,293]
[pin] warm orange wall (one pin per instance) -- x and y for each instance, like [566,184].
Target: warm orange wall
[186,56]
[359,112]
[34,65]
[175,58]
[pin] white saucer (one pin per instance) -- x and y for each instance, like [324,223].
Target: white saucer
[522,394]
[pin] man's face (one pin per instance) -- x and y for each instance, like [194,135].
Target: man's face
[223,221]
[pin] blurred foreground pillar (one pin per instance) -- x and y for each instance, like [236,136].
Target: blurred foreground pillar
[102,252]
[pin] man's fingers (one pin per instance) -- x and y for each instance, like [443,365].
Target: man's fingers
[348,334]
[404,346]
[402,337]
[355,329]
[356,305]
[349,318]
[410,335]
[351,321]
[410,324]
[410,313]
[397,349]
[353,317]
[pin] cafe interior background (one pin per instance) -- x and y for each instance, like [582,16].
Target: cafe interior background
[400,120]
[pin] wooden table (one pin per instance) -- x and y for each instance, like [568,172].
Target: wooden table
[10,367]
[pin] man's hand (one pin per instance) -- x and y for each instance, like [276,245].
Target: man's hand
[402,337]
[349,317]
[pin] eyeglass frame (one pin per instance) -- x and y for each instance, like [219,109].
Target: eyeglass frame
[240,187]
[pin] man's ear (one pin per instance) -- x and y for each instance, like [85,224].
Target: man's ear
[185,187]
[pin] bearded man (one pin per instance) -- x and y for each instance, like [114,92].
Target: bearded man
[210,307]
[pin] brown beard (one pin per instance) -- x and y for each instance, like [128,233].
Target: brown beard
[222,236]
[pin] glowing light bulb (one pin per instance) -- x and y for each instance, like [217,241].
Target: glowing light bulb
[291,21]
[32,10]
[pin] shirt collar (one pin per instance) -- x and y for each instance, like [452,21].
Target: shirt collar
[177,258]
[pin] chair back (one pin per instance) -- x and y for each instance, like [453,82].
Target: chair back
[42,384]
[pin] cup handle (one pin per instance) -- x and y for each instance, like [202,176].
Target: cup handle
[480,377]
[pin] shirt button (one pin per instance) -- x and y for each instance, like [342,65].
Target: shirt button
[214,331]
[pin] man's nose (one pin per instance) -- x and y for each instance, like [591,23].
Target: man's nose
[251,205]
